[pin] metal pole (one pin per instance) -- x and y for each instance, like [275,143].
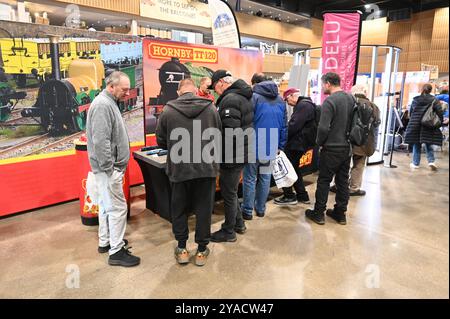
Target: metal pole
[297,58]
[396,106]
[390,96]
[373,72]
[373,81]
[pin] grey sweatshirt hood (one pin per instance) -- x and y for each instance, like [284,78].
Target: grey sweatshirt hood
[190,105]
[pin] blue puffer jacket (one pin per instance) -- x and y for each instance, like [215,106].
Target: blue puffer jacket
[270,112]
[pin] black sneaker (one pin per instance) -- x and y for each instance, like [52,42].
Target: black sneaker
[221,236]
[105,249]
[240,229]
[318,218]
[283,200]
[359,192]
[260,214]
[124,258]
[247,216]
[304,199]
[338,217]
[333,189]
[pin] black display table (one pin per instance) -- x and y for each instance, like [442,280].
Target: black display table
[157,185]
[159,191]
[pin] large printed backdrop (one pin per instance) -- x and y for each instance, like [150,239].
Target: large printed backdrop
[166,63]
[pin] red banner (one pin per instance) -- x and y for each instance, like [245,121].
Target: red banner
[340,44]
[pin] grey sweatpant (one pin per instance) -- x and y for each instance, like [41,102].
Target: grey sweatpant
[112,216]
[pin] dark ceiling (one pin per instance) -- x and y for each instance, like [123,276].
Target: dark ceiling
[314,8]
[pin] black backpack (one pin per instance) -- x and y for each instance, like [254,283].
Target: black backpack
[362,122]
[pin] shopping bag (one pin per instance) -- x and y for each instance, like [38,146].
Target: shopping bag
[283,172]
[91,195]
[430,119]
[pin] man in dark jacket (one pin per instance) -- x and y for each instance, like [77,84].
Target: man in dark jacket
[269,122]
[335,153]
[192,175]
[301,122]
[236,113]
[417,134]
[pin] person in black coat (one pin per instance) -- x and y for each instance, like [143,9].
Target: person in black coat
[236,113]
[416,134]
[302,121]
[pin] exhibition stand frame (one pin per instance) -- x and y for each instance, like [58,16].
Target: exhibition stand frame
[386,101]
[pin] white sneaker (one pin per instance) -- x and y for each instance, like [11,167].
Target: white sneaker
[413,166]
[432,166]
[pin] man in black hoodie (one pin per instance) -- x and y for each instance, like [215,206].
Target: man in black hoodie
[191,173]
[335,150]
[236,113]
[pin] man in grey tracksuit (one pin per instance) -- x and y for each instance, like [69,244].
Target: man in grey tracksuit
[109,153]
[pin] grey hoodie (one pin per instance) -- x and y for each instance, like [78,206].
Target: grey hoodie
[181,114]
[108,144]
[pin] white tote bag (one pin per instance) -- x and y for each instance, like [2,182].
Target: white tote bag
[283,172]
[91,196]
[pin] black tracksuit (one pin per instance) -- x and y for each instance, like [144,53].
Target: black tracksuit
[335,154]
[236,112]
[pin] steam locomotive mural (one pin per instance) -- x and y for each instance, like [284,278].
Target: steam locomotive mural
[62,104]
[71,74]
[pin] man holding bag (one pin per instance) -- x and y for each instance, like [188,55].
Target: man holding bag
[301,125]
[269,122]
[109,153]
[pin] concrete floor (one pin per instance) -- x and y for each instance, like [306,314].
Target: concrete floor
[395,245]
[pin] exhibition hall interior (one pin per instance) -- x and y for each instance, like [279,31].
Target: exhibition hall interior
[224,149]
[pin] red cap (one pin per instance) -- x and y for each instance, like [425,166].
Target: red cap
[289,92]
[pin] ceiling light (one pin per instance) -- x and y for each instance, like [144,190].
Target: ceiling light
[367,6]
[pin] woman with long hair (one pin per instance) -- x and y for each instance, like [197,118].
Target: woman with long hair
[417,134]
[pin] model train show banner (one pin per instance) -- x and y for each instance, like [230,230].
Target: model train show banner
[340,46]
[166,63]
[224,26]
